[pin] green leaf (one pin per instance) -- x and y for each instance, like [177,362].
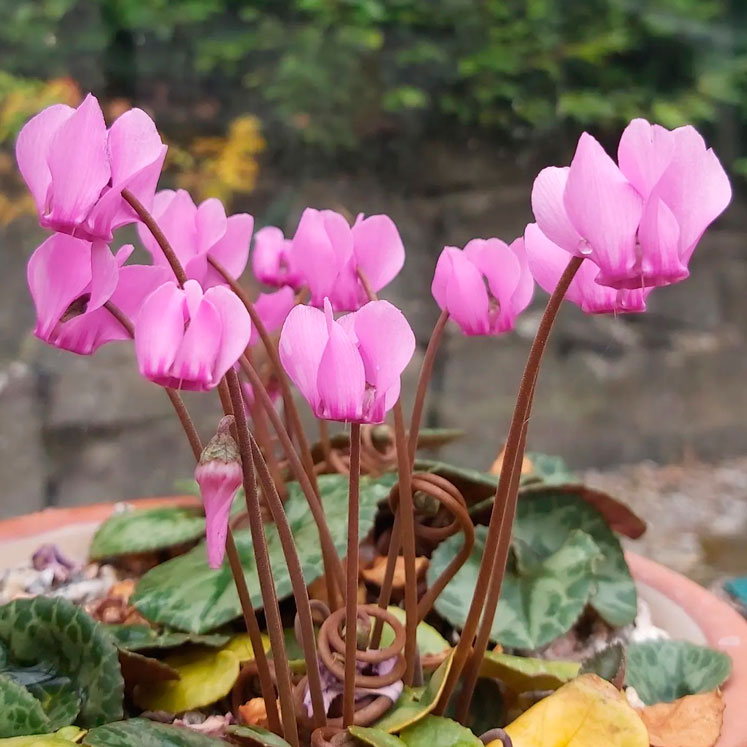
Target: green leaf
[609,664]
[435,731]
[415,702]
[59,699]
[20,712]
[145,530]
[258,735]
[475,486]
[144,733]
[185,593]
[430,641]
[62,636]
[544,523]
[374,737]
[538,603]
[662,671]
[547,468]
[142,638]
[522,673]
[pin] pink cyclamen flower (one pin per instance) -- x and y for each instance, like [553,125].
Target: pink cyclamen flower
[186,338]
[547,261]
[272,259]
[70,281]
[198,232]
[273,308]
[328,252]
[485,286]
[219,475]
[76,169]
[347,369]
[640,221]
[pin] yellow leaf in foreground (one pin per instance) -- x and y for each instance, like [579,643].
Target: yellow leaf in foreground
[587,712]
[206,676]
[692,721]
[241,645]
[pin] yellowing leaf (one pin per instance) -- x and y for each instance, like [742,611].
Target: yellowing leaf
[63,738]
[241,645]
[692,721]
[206,676]
[521,673]
[587,712]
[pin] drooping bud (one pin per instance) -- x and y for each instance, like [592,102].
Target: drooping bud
[219,476]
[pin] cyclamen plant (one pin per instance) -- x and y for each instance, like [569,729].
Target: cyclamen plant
[606,234]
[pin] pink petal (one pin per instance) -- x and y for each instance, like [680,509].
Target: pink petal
[232,249]
[604,208]
[136,283]
[104,275]
[459,288]
[695,187]
[210,224]
[525,289]
[644,153]
[236,328]
[386,343]
[273,261]
[159,330]
[302,341]
[341,380]
[176,215]
[58,273]
[79,165]
[273,308]
[378,249]
[219,483]
[547,262]
[549,209]
[32,149]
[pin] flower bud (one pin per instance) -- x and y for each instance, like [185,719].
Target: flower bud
[219,476]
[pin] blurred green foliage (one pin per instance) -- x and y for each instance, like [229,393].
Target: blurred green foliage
[333,74]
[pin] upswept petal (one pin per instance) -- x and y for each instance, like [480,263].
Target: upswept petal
[236,328]
[270,255]
[302,342]
[32,149]
[232,249]
[273,308]
[210,224]
[104,275]
[378,249]
[341,379]
[604,208]
[695,187]
[79,166]
[524,292]
[549,209]
[176,217]
[644,153]
[159,330]
[314,255]
[58,273]
[385,341]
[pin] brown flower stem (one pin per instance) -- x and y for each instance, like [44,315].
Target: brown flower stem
[406,514]
[324,439]
[498,528]
[333,568]
[351,596]
[264,569]
[426,370]
[385,593]
[158,235]
[255,635]
[300,592]
[272,353]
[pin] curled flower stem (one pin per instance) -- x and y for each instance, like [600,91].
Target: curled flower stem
[333,568]
[288,402]
[491,570]
[351,596]
[304,617]
[158,235]
[264,569]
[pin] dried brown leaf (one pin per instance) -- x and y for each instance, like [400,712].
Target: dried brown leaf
[692,721]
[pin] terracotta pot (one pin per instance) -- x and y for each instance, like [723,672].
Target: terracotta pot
[679,606]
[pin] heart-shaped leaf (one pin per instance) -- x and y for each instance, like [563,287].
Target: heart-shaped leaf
[522,674]
[185,593]
[474,485]
[143,638]
[544,523]
[436,731]
[539,602]
[374,737]
[432,646]
[54,632]
[257,735]
[59,699]
[415,702]
[587,712]
[144,530]
[20,712]
[241,646]
[662,671]
[144,733]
